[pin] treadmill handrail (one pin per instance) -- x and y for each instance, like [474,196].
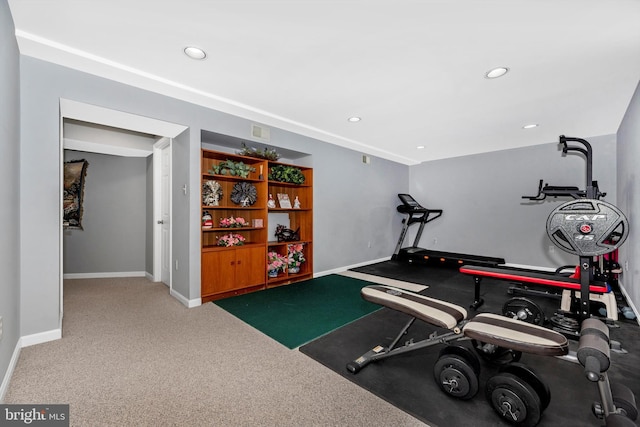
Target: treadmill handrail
[416,214]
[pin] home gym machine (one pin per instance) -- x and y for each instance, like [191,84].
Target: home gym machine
[587,227]
[417,214]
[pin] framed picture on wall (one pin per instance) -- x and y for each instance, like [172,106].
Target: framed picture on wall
[74,174]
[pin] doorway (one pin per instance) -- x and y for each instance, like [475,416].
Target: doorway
[159,150]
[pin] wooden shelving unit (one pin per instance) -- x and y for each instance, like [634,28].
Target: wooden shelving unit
[233,270]
[300,220]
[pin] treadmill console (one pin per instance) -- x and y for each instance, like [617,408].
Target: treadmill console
[409,205]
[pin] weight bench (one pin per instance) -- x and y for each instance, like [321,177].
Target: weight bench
[488,328]
[457,370]
[598,291]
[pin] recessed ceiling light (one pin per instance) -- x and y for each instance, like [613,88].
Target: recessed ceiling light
[420,147]
[531,126]
[354,119]
[496,72]
[194,52]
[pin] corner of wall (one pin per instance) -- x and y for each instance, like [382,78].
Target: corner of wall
[4,386]
[189,303]
[40,338]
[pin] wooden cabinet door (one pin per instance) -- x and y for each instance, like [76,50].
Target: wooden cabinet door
[251,266]
[208,274]
[218,271]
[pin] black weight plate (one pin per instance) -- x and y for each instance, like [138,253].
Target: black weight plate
[514,400]
[533,379]
[456,377]
[524,309]
[465,353]
[587,227]
[624,399]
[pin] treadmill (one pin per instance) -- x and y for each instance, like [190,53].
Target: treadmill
[418,214]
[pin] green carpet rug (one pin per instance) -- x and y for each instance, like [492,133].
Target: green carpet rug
[301,312]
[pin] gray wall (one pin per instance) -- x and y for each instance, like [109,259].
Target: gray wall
[114,219]
[185,228]
[354,203]
[353,207]
[484,213]
[628,188]
[9,191]
[348,212]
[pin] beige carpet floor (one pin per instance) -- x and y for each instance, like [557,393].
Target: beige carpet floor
[131,355]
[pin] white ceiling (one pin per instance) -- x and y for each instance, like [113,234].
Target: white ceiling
[413,70]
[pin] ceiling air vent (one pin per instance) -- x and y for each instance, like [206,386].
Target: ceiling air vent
[260,132]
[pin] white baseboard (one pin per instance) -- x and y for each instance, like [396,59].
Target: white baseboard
[348,267]
[106,275]
[189,303]
[4,386]
[149,276]
[41,337]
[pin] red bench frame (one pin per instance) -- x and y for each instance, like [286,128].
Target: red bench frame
[526,276]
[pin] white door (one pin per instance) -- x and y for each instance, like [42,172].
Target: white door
[165,203]
[162,211]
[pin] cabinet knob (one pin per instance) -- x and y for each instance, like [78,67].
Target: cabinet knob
[160,221]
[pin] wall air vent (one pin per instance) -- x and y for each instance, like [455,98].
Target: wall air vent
[260,132]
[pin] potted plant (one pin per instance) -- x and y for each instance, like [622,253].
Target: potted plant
[267,153]
[295,257]
[231,239]
[229,167]
[286,173]
[232,222]
[275,263]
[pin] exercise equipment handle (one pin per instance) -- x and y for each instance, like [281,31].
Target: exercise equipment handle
[540,195]
[592,368]
[588,153]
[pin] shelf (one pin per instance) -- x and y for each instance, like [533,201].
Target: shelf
[288,184]
[228,208]
[286,279]
[293,242]
[224,248]
[231,270]
[211,177]
[231,229]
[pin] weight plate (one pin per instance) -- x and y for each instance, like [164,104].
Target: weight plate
[533,379]
[465,354]
[524,309]
[564,324]
[514,400]
[456,377]
[587,227]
